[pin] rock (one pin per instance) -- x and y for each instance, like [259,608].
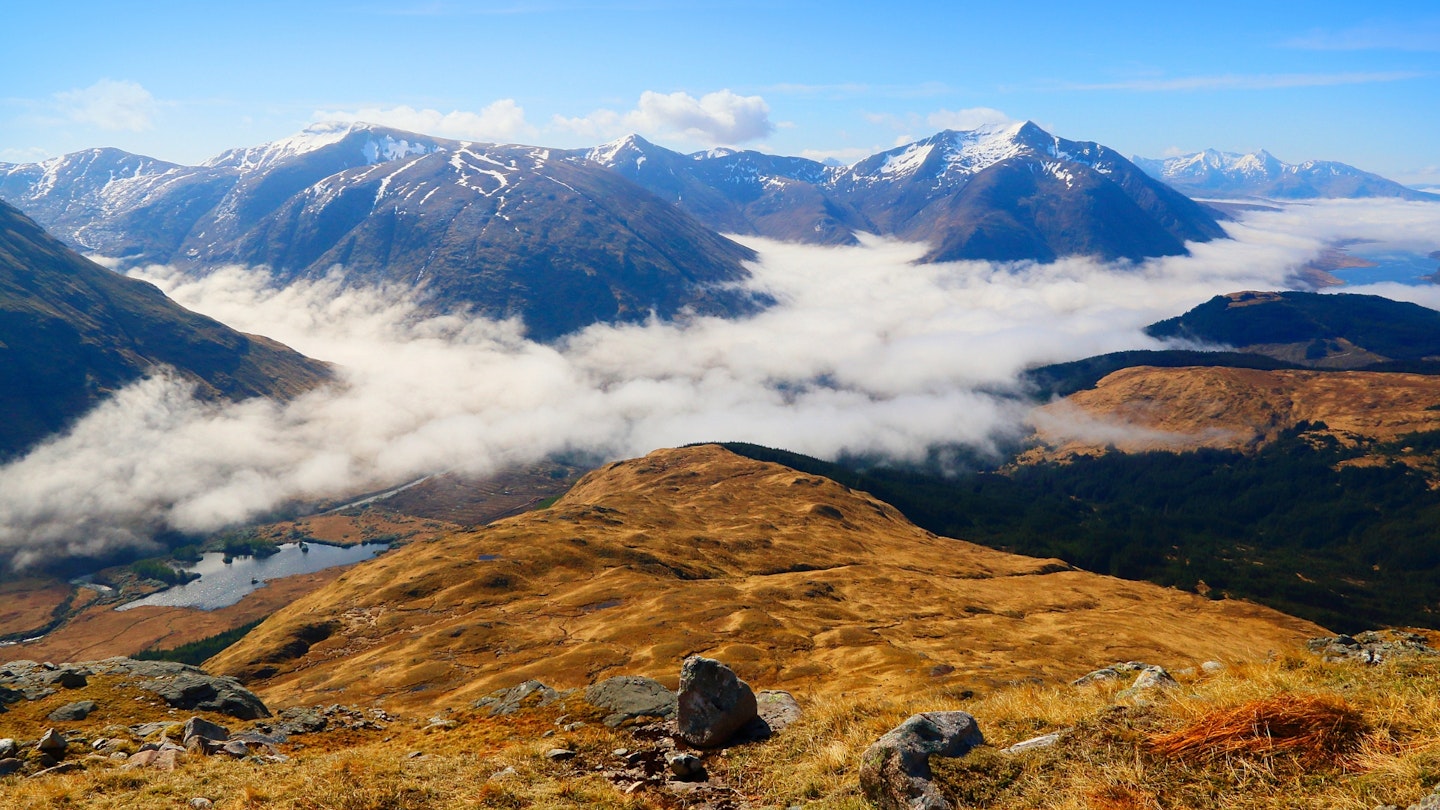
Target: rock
[235,748]
[200,728]
[895,770]
[52,743]
[1372,646]
[8,748]
[1043,741]
[155,759]
[526,695]
[53,770]
[507,772]
[629,697]
[559,754]
[201,803]
[1153,678]
[72,712]
[687,767]
[70,679]
[1212,667]
[776,709]
[10,765]
[713,703]
[1114,672]
[195,690]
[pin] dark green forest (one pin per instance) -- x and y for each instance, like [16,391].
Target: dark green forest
[1351,548]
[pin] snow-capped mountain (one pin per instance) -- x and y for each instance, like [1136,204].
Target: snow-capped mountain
[508,230]
[1213,173]
[1001,192]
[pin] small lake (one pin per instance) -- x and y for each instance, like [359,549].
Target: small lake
[222,584]
[1402,267]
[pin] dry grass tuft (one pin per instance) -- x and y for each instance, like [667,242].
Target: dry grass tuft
[1315,730]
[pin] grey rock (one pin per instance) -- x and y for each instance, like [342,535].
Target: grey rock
[1114,672]
[895,770]
[8,748]
[559,754]
[199,691]
[508,772]
[72,712]
[777,710]
[52,743]
[1153,678]
[1043,741]
[1372,647]
[629,697]
[200,803]
[235,748]
[10,765]
[687,767]
[69,678]
[529,694]
[713,703]
[202,729]
[1212,667]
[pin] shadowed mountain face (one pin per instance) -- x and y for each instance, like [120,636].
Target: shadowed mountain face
[1260,174]
[72,332]
[1000,193]
[505,230]
[1312,329]
[794,580]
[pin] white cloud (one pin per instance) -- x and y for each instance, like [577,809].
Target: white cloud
[32,154]
[1266,81]
[500,121]
[865,351]
[969,118]
[110,105]
[719,118]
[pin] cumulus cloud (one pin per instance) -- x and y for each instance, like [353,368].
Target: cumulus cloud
[864,352]
[110,105]
[502,120]
[722,117]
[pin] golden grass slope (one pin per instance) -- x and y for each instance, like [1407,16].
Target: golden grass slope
[1147,408]
[797,582]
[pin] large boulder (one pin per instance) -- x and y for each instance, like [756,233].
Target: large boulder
[895,770]
[713,703]
[629,697]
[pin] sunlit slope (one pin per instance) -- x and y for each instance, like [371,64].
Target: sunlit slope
[1148,408]
[796,581]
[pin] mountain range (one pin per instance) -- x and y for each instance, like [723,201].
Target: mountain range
[1260,174]
[999,193]
[563,239]
[72,332]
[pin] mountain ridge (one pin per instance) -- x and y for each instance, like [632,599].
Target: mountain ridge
[1260,174]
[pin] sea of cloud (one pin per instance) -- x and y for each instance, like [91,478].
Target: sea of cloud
[865,351]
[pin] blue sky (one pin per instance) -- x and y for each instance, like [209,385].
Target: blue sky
[182,81]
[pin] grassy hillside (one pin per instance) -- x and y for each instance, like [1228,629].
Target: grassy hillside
[1290,526]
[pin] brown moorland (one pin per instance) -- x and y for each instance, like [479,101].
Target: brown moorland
[797,582]
[1147,408]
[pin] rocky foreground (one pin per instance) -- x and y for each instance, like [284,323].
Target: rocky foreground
[1343,724]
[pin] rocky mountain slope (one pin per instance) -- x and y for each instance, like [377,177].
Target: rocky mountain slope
[795,581]
[71,332]
[999,193]
[507,230]
[1260,174]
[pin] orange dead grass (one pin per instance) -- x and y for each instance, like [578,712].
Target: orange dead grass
[1314,729]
